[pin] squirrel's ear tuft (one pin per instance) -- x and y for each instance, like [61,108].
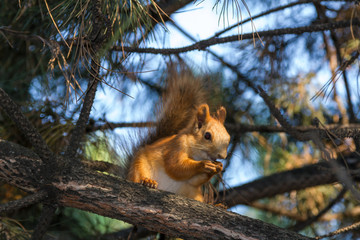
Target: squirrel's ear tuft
[221,114]
[203,114]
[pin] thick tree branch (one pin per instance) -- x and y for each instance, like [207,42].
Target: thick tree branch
[201,45]
[286,181]
[168,7]
[26,128]
[117,198]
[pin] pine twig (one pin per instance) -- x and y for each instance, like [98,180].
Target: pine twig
[111,125]
[343,66]
[282,120]
[24,202]
[202,45]
[341,174]
[341,230]
[323,17]
[277,210]
[311,133]
[302,224]
[276,9]
[47,214]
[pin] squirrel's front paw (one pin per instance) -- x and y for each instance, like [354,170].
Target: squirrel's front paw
[219,166]
[211,167]
[149,183]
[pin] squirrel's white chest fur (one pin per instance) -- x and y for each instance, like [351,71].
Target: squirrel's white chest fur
[185,188]
[166,183]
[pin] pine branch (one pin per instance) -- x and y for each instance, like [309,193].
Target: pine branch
[156,210]
[302,224]
[286,181]
[167,7]
[278,210]
[342,174]
[97,40]
[202,45]
[340,131]
[276,9]
[343,66]
[86,190]
[24,202]
[171,6]
[47,214]
[27,129]
[111,125]
[79,130]
[305,136]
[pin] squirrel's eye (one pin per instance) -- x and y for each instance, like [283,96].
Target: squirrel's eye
[207,136]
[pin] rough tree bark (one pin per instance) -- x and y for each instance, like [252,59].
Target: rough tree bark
[117,198]
[296,179]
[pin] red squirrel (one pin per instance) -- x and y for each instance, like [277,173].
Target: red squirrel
[180,155]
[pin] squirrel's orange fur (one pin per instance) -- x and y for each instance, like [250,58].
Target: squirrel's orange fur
[182,161]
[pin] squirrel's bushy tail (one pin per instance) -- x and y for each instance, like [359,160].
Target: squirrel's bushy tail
[183,94]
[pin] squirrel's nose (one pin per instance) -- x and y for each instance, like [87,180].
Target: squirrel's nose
[221,156]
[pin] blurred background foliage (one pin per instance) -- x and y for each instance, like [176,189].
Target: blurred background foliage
[44,65]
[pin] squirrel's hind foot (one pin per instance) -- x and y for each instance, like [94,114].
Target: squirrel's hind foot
[220,205]
[149,183]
